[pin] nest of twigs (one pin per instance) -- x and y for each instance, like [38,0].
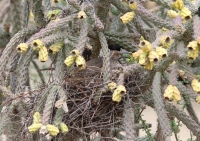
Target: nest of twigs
[90,104]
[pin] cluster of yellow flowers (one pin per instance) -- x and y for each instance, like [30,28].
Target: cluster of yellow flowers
[77,58]
[51,129]
[193,49]
[146,56]
[127,17]
[36,45]
[172,93]
[118,91]
[183,11]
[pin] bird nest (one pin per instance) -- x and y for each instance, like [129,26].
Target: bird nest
[90,104]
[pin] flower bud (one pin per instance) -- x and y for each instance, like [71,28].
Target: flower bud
[37,44]
[74,52]
[195,85]
[178,4]
[133,5]
[21,48]
[118,93]
[172,13]
[34,127]
[81,15]
[55,47]
[143,58]
[63,128]
[127,17]
[192,46]
[185,14]
[52,130]
[145,45]
[51,15]
[153,56]
[112,86]
[80,62]
[193,54]
[162,53]
[43,54]
[37,118]
[166,41]
[70,60]
[172,93]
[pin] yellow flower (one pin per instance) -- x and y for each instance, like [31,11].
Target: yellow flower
[118,93]
[121,89]
[37,118]
[43,54]
[81,15]
[185,14]
[37,44]
[195,85]
[193,45]
[112,86]
[80,62]
[21,48]
[34,127]
[136,54]
[63,128]
[116,97]
[127,17]
[172,13]
[133,5]
[52,130]
[166,41]
[145,45]
[55,47]
[162,53]
[149,65]
[153,56]
[178,4]
[143,58]
[74,52]
[51,15]
[198,99]
[172,93]
[70,60]
[193,54]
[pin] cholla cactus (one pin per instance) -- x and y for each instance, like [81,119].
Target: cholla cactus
[103,60]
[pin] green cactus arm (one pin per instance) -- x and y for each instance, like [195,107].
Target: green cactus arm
[106,56]
[160,107]
[47,111]
[38,13]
